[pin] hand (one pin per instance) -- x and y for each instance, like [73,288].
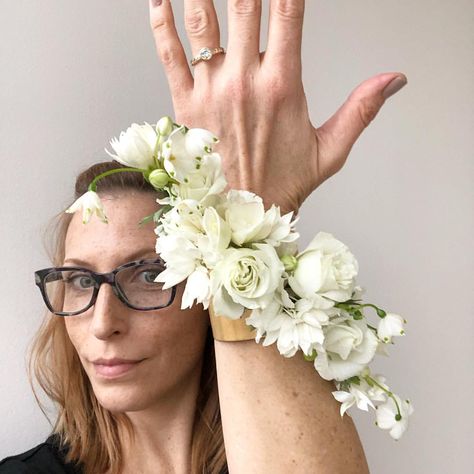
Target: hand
[255,102]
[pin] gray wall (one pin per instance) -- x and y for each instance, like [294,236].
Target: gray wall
[74,74]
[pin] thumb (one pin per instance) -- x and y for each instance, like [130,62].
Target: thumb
[338,134]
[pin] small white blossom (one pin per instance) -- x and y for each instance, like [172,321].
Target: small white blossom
[203,181]
[389,419]
[197,288]
[390,325]
[182,258]
[89,203]
[357,394]
[299,327]
[375,393]
[183,151]
[216,237]
[135,147]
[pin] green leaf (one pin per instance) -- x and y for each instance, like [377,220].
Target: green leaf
[354,380]
[311,357]
[146,219]
[156,216]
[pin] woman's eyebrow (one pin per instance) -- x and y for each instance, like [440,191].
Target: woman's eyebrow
[135,256]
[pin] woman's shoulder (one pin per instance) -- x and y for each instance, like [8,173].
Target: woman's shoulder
[46,457]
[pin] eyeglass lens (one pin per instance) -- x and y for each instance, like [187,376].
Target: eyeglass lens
[72,290]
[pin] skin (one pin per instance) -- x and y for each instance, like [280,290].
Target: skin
[161,392]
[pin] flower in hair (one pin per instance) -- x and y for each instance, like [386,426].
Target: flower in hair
[89,203]
[233,253]
[135,147]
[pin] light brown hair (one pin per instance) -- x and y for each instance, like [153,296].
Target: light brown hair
[85,430]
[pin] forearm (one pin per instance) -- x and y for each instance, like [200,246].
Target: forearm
[279,415]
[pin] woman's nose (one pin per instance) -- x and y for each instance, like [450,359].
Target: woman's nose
[109,315]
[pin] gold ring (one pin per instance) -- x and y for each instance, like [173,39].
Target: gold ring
[205,54]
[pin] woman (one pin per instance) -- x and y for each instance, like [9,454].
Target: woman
[162,414]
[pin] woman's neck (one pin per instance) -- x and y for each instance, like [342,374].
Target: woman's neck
[163,432]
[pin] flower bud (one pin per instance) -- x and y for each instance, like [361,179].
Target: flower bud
[164,126]
[289,262]
[158,178]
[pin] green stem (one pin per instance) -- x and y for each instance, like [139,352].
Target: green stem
[377,309]
[389,393]
[93,184]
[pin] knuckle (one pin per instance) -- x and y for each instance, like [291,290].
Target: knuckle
[245,7]
[293,9]
[367,110]
[167,56]
[196,21]
[278,87]
[159,24]
[238,88]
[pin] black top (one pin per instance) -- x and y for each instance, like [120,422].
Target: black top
[46,458]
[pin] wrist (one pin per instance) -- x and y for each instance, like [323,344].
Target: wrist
[226,329]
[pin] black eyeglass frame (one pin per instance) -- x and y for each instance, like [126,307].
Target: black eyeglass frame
[99,278]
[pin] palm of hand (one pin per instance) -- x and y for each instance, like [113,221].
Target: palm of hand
[255,102]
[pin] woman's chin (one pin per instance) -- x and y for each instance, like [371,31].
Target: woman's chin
[117,400]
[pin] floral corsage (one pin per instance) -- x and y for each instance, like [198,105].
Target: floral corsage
[239,256]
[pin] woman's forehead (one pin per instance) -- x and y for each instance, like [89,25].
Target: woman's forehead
[117,240]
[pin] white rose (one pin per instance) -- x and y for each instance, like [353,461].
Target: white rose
[245,278]
[89,203]
[389,326]
[246,217]
[349,345]
[136,146]
[327,268]
[184,149]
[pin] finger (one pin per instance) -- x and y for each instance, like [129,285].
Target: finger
[202,29]
[338,134]
[169,48]
[285,32]
[243,41]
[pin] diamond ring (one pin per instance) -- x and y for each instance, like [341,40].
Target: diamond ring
[205,54]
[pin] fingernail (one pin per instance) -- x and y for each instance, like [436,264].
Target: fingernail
[393,86]
[156,3]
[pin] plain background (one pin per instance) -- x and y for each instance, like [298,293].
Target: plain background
[74,74]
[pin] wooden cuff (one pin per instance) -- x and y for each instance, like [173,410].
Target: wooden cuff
[226,329]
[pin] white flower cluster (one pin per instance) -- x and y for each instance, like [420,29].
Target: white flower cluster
[230,250]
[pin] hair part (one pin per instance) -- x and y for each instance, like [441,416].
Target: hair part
[88,434]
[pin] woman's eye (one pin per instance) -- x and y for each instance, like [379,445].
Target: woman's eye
[81,282]
[149,276]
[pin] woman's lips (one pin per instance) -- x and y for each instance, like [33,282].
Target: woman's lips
[111,371]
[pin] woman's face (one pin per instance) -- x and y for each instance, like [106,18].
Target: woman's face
[170,341]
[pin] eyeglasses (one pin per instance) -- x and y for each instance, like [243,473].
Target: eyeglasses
[68,291]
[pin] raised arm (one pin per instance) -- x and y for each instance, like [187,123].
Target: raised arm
[278,415]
